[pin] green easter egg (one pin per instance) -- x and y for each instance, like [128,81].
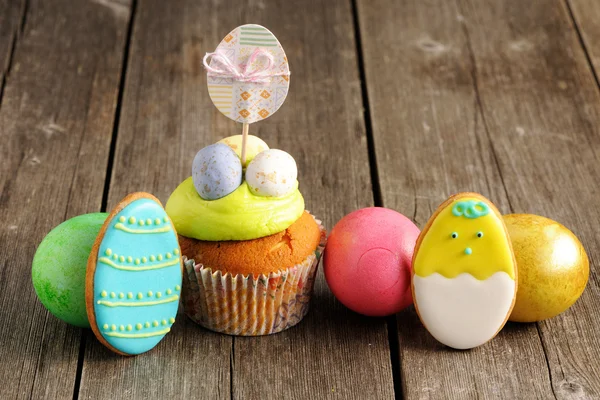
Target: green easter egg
[59,264]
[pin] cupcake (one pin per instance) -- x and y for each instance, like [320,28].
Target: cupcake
[250,249]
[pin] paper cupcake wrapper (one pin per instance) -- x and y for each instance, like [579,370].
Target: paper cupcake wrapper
[249,305]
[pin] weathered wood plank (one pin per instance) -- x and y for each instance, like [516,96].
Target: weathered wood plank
[167,117]
[587,14]
[431,140]
[542,108]
[55,127]
[333,353]
[11,18]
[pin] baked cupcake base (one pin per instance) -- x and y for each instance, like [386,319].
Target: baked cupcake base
[250,305]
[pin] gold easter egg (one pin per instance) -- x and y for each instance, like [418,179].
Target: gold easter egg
[552,263]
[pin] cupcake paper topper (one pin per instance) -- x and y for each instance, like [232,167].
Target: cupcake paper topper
[248,76]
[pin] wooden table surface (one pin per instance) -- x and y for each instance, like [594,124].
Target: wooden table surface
[392,103]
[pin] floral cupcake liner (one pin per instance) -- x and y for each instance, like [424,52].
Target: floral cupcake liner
[249,305]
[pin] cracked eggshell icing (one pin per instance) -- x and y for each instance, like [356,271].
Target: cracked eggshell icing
[238,216]
[134,274]
[464,272]
[272,173]
[216,171]
[254,145]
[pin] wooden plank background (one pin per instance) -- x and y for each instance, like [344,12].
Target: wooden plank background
[56,120]
[396,104]
[425,97]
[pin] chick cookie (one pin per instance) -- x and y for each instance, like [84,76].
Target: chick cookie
[464,279]
[134,276]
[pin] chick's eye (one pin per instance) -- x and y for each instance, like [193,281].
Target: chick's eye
[479,234]
[454,235]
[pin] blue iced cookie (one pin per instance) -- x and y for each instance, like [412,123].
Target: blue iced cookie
[133,277]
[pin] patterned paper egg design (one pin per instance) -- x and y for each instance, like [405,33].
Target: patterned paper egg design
[247,101]
[216,171]
[254,145]
[272,173]
[464,281]
[137,278]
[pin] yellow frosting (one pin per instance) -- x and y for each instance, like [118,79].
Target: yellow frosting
[237,216]
[479,256]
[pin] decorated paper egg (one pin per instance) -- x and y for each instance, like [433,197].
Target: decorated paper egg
[367,261]
[464,272]
[133,278]
[216,171]
[272,173]
[248,75]
[254,145]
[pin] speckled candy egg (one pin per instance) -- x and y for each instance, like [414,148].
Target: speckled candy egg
[216,171]
[367,261]
[254,145]
[272,173]
[58,269]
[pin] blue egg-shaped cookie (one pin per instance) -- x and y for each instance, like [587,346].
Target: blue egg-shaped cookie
[133,277]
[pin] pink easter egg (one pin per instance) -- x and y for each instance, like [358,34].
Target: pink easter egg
[367,261]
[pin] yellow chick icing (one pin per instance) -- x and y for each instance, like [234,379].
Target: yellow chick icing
[464,272]
[465,236]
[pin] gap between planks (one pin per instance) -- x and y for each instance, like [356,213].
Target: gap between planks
[391,321]
[17,32]
[478,106]
[585,49]
[109,167]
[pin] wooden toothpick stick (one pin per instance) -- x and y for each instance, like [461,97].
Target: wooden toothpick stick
[245,127]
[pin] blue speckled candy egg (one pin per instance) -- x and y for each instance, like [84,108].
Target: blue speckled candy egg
[216,171]
[272,173]
[135,270]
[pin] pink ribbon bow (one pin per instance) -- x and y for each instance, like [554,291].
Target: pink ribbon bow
[244,73]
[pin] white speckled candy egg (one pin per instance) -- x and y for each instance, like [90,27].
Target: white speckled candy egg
[216,171]
[254,145]
[272,173]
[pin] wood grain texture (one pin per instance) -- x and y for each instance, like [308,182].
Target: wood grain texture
[431,141]
[587,14]
[332,353]
[163,123]
[491,96]
[55,127]
[11,17]
[167,117]
[542,108]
